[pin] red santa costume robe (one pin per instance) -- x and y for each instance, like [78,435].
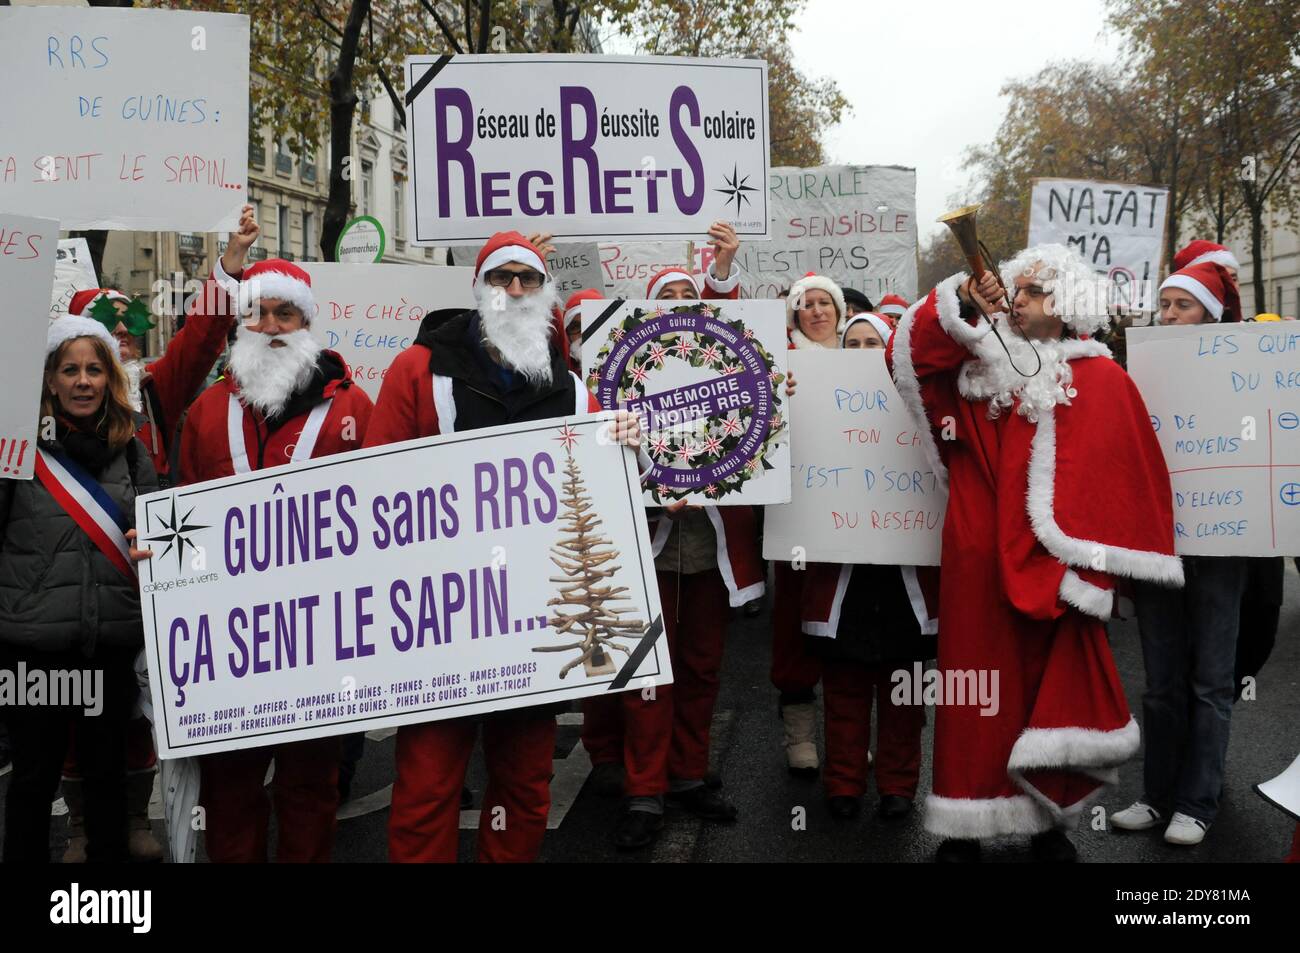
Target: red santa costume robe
[1041,519]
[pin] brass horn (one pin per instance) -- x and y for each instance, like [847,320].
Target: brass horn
[962,224]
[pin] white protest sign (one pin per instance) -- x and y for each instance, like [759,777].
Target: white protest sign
[627,267]
[861,491]
[431,579]
[1225,404]
[572,266]
[370,314]
[708,380]
[28,247]
[124,119]
[73,271]
[591,147]
[1118,228]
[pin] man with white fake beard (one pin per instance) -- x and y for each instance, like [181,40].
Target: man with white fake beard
[1057,488]
[504,363]
[283,399]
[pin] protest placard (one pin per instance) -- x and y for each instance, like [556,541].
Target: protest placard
[73,271]
[436,578]
[124,119]
[369,314]
[28,247]
[1225,404]
[572,266]
[707,379]
[589,147]
[1118,228]
[862,491]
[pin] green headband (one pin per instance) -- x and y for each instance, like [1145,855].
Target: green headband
[136,319]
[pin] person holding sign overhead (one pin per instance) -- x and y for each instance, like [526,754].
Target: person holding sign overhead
[69,598]
[284,399]
[1189,638]
[503,363]
[1019,407]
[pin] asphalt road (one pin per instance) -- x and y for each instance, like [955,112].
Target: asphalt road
[747,754]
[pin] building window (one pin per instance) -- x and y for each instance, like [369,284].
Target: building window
[399,208]
[283,162]
[310,241]
[256,152]
[307,168]
[367,185]
[283,226]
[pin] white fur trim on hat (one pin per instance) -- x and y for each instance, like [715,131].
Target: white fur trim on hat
[668,278]
[511,254]
[73,326]
[876,321]
[815,283]
[280,287]
[1196,290]
[1221,257]
[896,309]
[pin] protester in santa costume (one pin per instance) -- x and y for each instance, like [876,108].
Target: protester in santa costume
[1057,487]
[855,302]
[69,595]
[283,399]
[158,393]
[1189,637]
[815,318]
[865,622]
[573,324]
[892,307]
[504,363]
[1201,251]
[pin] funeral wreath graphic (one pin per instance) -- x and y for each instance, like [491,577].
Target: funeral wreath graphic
[714,435]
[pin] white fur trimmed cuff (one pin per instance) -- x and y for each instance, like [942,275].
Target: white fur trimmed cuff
[1079,749]
[1084,596]
[949,306]
[722,286]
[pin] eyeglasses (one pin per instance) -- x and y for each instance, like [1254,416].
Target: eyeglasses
[501,278]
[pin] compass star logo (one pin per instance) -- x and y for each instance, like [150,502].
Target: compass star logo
[176,535]
[736,189]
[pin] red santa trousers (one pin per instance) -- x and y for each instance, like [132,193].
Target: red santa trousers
[424,822]
[795,670]
[637,731]
[305,792]
[847,689]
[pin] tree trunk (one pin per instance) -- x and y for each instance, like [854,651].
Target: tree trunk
[1257,255]
[343,105]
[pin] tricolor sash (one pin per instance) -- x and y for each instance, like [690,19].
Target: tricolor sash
[90,507]
[300,451]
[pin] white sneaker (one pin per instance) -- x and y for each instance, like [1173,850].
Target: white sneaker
[1138,816]
[1185,831]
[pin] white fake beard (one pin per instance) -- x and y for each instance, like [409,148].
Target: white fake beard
[269,376]
[991,377]
[133,371]
[519,329]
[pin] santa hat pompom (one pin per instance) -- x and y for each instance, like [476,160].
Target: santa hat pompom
[1079,295]
[508,248]
[280,280]
[668,276]
[1201,251]
[73,326]
[814,282]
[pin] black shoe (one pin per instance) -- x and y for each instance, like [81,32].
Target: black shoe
[607,779]
[713,781]
[1053,847]
[954,851]
[893,806]
[466,799]
[704,802]
[843,807]
[753,609]
[637,830]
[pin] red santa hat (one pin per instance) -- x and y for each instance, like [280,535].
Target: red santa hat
[505,248]
[666,277]
[1210,284]
[894,305]
[814,282]
[278,279]
[573,307]
[83,301]
[1200,251]
[882,326]
[72,326]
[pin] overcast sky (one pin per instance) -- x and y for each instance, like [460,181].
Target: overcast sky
[923,75]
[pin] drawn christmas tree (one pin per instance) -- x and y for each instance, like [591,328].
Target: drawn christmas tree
[587,560]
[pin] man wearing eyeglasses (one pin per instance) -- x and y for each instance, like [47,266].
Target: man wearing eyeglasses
[504,362]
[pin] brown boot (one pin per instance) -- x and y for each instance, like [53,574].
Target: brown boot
[75,852]
[142,845]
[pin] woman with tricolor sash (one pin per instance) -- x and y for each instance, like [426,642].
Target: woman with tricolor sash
[69,602]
